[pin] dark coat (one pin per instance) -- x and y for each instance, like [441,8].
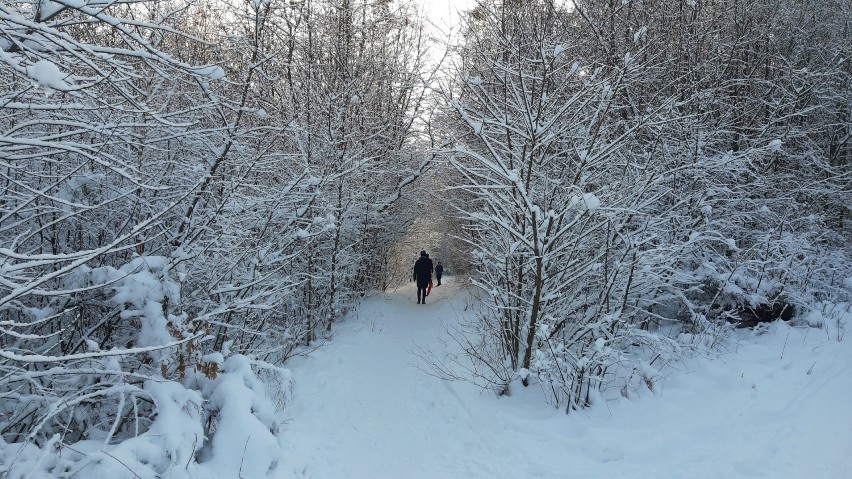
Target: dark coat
[423,271]
[439,270]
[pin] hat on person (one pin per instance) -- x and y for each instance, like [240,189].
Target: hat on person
[423,253]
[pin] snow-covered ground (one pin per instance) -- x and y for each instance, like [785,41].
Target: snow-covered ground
[779,405]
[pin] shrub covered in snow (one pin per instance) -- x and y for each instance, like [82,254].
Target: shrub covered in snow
[151,403]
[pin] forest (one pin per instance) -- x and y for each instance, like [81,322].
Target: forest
[192,192]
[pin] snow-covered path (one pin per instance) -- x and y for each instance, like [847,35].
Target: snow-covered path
[363,408]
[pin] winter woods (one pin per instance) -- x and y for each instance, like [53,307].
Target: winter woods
[191,191]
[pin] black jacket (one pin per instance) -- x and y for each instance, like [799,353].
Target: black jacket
[423,271]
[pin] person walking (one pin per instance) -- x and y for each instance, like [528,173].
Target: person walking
[439,271]
[429,289]
[423,275]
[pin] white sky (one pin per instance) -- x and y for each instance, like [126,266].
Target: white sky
[444,13]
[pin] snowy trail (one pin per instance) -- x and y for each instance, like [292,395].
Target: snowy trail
[363,408]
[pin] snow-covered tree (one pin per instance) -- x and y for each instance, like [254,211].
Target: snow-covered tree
[160,219]
[353,80]
[630,171]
